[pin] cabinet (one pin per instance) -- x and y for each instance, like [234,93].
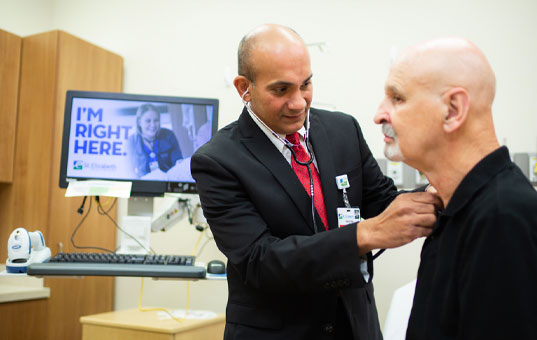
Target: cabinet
[50,64]
[10,53]
[135,325]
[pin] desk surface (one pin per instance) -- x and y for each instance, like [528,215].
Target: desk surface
[18,287]
[147,321]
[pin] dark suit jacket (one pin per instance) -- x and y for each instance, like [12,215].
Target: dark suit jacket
[283,279]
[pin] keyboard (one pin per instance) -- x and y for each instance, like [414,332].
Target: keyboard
[110,264]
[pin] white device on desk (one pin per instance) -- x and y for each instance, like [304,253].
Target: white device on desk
[25,248]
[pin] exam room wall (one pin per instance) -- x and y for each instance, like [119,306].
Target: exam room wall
[188,48]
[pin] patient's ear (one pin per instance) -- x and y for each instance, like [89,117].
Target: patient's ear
[457,101]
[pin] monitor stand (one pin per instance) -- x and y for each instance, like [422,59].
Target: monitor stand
[140,206]
[136,223]
[178,206]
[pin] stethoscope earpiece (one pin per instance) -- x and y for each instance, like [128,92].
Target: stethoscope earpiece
[244,94]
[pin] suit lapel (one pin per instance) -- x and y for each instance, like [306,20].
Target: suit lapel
[264,151]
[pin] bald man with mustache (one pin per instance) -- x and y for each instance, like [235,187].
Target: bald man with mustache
[478,272]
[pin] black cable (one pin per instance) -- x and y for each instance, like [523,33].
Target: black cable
[81,209]
[307,165]
[76,229]
[209,239]
[100,208]
[315,228]
[101,211]
[189,212]
[377,254]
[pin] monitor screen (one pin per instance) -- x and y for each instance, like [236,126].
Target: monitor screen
[147,140]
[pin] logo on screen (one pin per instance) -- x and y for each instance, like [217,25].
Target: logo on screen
[78,165]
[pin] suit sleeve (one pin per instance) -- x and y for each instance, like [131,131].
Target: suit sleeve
[297,263]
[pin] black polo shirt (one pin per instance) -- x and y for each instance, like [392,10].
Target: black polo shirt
[478,273]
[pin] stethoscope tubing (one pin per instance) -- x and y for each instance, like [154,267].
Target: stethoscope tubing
[307,164]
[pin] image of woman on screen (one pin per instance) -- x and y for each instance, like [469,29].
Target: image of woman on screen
[154,150]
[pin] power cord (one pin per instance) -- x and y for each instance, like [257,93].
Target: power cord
[201,227]
[102,211]
[80,211]
[187,307]
[191,213]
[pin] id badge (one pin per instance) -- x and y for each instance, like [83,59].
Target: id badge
[347,216]
[153,166]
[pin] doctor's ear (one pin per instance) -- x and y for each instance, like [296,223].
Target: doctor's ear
[457,101]
[241,84]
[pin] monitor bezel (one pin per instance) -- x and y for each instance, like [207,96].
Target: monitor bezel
[139,187]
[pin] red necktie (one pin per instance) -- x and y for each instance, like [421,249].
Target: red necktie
[302,173]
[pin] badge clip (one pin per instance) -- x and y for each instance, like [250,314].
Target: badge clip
[342,182]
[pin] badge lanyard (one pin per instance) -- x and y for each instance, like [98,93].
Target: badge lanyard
[153,160]
[342,184]
[346,215]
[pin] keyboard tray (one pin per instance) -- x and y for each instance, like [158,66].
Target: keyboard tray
[115,269]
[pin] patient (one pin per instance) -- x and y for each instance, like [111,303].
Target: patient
[478,272]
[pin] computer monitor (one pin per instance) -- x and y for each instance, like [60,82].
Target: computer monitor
[145,139]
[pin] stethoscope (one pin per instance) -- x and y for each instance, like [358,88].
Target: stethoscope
[290,146]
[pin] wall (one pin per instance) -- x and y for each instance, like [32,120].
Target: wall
[189,48]
[26,17]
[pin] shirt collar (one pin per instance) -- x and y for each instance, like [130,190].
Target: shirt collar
[277,143]
[479,176]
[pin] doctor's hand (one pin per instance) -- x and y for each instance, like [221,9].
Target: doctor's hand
[408,217]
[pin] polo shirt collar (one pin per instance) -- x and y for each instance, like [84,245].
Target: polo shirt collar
[481,174]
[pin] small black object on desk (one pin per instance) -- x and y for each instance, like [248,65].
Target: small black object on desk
[216,267]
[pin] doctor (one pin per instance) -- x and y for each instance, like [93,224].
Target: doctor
[293,273]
